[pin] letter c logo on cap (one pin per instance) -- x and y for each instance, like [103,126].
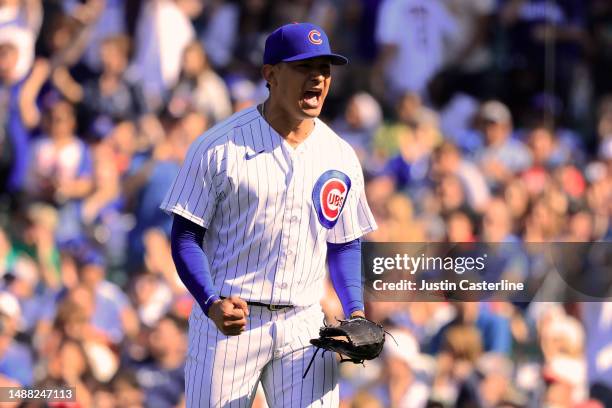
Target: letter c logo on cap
[315,37]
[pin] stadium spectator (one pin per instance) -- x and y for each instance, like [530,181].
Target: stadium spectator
[68,365]
[460,227]
[16,360]
[199,88]
[497,223]
[60,168]
[598,348]
[35,302]
[517,199]
[37,239]
[502,155]
[152,298]
[430,26]
[161,375]
[404,373]
[111,95]
[493,329]
[108,20]
[447,160]
[127,390]
[112,312]
[362,117]
[225,21]
[470,49]
[149,177]
[157,58]
[451,195]
[546,150]
[490,384]
[18,113]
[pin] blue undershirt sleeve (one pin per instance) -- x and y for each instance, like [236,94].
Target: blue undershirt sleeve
[344,262]
[191,261]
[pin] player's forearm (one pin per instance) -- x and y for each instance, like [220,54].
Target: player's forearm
[344,262]
[191,261]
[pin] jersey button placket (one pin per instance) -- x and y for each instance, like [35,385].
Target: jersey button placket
[288,238]
[296,206]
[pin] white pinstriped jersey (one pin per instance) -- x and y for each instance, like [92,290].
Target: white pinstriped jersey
[270,209]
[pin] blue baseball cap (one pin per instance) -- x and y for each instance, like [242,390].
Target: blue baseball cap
[299,41]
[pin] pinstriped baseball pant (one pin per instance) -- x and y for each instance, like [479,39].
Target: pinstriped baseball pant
[224,371]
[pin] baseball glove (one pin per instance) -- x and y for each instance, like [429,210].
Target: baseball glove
[356,340]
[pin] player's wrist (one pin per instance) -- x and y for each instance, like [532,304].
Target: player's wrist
[357,313]
[209,303]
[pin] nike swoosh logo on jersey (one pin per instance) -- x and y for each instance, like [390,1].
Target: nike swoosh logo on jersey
[252,156]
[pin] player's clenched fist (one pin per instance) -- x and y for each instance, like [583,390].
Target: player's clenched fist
[230,315]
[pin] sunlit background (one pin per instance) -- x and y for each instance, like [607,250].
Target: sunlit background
[474,120]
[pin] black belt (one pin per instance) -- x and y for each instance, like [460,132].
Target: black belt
[273,308]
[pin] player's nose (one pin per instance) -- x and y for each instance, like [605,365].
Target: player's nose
[319,72]
[316,76]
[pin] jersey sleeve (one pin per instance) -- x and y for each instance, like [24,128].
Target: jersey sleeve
[356,218]
[193,194]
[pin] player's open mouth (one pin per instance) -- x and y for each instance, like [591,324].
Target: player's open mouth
[312,97]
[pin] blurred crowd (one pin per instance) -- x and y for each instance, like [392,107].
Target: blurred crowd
[474,120]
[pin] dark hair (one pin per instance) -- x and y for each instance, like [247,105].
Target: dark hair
[87,372]
[179,322]
[126,377]
[121,41]
[446,147]
[52,99]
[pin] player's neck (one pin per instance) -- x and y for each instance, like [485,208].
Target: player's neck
[294,131]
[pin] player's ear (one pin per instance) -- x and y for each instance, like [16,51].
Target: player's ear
[269,74]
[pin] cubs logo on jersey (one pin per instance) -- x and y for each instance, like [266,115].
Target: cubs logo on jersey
[329,195]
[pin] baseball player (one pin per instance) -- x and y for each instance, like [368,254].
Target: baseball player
[262,200]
